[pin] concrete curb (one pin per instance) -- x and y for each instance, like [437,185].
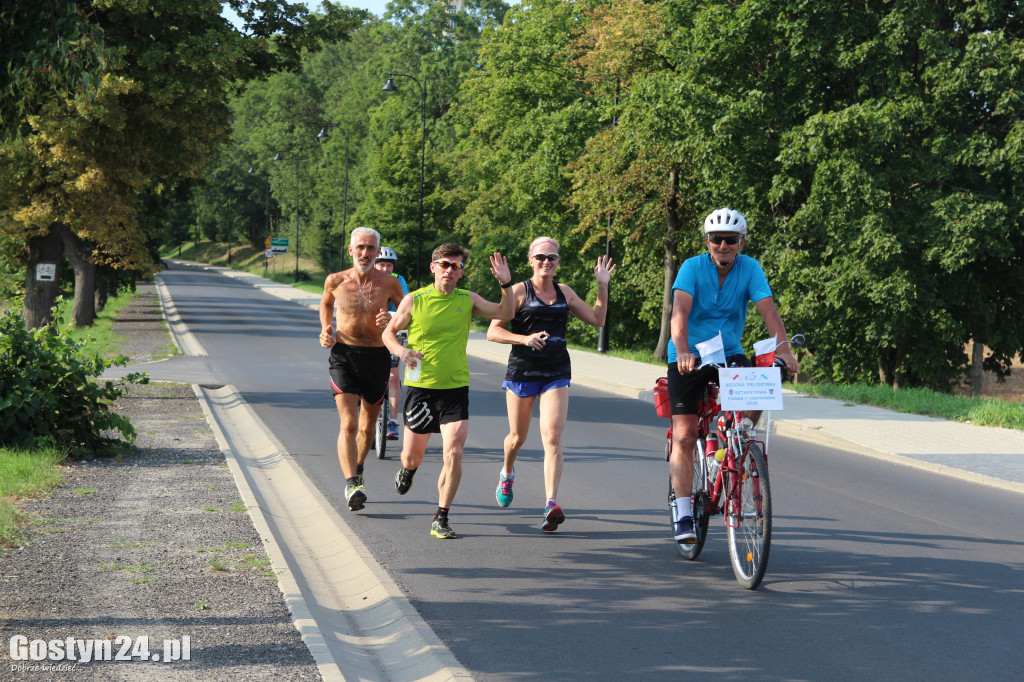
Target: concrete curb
[180,334]
[360,626]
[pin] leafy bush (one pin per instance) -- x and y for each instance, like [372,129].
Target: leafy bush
[48,395]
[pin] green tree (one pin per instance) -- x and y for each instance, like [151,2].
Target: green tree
[435,47]
[907,224]
[521,118]
[73,182]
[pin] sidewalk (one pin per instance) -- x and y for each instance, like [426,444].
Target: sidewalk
[982,454]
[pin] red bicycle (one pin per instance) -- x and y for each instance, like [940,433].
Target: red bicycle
[730,477]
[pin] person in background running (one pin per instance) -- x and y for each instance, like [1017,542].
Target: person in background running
[359,363]
[386,263]
[538,365]
[437,400]
[709,297]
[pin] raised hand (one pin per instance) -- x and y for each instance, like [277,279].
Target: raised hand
[499,268]
[604,269]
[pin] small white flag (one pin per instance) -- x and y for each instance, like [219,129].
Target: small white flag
[765,347]
[711,352]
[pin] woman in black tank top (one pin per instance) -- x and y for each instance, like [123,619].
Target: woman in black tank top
[538,365]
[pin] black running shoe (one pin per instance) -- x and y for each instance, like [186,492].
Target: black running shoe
[403,480]
[356,496]
[440,529]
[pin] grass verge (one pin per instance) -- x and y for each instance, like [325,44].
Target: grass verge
[100,338]
[981,411]
[27,473]
[24,473]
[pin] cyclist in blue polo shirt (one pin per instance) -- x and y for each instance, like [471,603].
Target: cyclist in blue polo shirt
[709,297]
[386,263]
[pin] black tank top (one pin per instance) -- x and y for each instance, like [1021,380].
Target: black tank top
[552,361]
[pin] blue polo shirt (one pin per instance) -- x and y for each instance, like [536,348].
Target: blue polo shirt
[719,309]
[405,290]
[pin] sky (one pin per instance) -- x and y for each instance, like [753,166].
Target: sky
[377,7]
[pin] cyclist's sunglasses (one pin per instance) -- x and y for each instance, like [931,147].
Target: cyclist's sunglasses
[718,239]
[445,264]
[541,257]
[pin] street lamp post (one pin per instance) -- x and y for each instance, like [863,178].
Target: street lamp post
[322,136]
[266,208]
[390,87]
[602,333]
[295,158]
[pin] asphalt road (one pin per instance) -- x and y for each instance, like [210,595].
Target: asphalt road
[876,570]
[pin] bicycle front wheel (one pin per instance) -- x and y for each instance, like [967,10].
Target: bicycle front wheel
[380,436]
[749,511]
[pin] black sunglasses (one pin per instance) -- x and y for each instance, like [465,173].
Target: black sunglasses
[541,257]
[718,239]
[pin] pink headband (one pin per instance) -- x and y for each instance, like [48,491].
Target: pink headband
[544,241]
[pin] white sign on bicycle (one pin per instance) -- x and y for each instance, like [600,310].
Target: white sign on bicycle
[750,388]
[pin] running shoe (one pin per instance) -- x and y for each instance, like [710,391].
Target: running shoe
[440,528]
[684,531]
[356,496]
[553,517]
[360,481]
[403,480]
[392,429]
[503,493]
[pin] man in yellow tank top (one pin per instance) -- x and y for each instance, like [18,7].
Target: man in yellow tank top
[437,373]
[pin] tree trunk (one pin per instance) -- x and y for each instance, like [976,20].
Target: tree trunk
[102,293]
[671,228]
[888,368]
[40,295]
[83,311]
[977,369]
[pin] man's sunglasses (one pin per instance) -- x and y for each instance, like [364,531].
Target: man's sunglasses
[541,257]
[718,239]
[445,264]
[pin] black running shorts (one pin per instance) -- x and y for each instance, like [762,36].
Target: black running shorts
[427,408]
[362,370]
[685,391]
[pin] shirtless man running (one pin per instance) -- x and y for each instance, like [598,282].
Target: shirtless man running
[360,364]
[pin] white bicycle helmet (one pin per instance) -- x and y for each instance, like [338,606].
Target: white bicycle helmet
[387,254]
[725,220]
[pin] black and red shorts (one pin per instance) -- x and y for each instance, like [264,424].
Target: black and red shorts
[362,370]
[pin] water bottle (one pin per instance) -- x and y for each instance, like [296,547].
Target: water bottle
[413,373]
[710,449]
[714,464]
[710,445]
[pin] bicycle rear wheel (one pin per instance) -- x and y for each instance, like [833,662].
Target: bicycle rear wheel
[700,510]
[380,436]
[750,516]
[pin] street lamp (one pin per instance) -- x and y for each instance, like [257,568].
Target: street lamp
[266,198]
[602,333]
[295,158]
[322,136]
[266,210]
[390,87]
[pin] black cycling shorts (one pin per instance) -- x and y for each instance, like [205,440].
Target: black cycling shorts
[427,408]
[362,370]
[686,390]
